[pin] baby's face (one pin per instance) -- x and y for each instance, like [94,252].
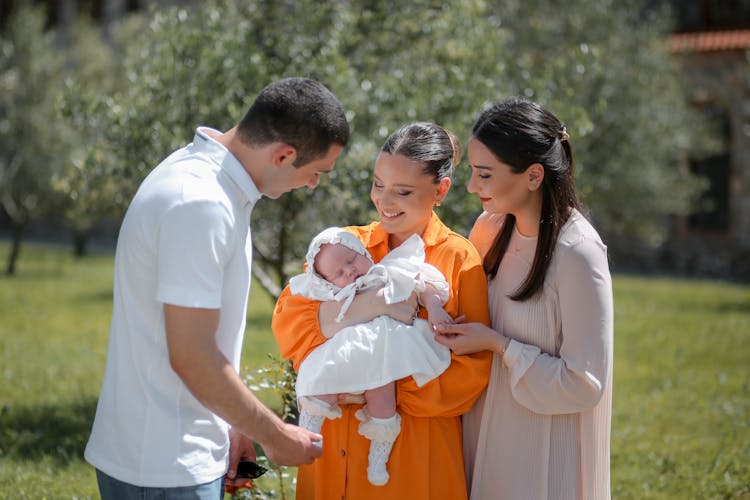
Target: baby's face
[340,265]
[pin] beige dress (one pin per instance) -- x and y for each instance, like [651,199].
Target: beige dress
[542,428]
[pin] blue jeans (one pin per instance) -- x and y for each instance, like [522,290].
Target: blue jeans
[113,489]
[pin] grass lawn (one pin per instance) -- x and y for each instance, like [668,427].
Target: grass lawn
[681,391]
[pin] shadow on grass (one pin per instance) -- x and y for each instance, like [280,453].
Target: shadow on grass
[739,306]
[719,306]
[56,432]
[94,296]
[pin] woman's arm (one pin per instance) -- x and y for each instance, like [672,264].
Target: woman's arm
[576,380]
[295,326]
[455,390]
[366,306]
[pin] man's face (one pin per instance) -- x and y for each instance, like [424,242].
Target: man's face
[290,177]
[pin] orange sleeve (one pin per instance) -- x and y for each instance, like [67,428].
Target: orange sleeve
[458,387]
[295,326]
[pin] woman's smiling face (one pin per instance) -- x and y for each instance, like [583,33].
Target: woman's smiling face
[404,196]
[499,189]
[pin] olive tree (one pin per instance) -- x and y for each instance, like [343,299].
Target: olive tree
[603,68]
[33,142]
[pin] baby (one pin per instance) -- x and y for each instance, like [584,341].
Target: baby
[369,357]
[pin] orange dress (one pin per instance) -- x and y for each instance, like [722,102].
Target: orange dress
[427,460]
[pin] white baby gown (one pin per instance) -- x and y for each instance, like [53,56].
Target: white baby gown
[371,354]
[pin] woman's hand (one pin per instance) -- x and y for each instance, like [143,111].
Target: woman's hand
[468,338]
[405,311]
[438,316]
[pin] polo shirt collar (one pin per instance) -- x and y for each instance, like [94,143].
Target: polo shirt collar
[227,161]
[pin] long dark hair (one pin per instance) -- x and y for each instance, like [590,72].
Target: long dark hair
[520,133]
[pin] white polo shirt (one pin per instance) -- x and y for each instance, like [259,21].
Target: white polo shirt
[185,240]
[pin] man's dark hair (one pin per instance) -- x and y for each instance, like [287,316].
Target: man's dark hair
[300,112]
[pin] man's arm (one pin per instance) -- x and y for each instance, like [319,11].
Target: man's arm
[210,377]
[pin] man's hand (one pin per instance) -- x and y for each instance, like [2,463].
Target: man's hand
[240,448]
[293,446]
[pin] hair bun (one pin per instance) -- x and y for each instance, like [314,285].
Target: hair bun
[456,144]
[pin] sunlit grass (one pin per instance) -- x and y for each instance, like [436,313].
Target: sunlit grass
[681,391]
[54,327]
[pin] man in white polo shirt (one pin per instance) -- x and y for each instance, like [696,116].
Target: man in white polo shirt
[172,403]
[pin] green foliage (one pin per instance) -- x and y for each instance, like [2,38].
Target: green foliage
[33,143]
[603,68]
[274,384]
[29,66]
[92,62]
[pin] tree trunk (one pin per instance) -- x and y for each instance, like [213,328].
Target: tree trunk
[80,241]
[16,232]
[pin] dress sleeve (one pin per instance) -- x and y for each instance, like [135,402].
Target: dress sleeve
[295,326]
[432,275]
[485,230]
[576,380]
[457,388]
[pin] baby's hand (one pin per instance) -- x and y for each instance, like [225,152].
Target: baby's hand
[436,316]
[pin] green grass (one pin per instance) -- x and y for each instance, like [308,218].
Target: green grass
[681,390]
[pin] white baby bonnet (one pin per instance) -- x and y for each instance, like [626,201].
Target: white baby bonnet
[312,285]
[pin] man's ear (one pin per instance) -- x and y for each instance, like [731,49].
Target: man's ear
[283,154]
[535,175]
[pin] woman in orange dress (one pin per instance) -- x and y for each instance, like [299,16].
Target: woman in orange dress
[412,175]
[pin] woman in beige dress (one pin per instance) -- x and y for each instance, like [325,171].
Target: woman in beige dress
[541,430]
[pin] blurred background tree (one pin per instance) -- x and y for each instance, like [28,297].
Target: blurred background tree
[33,142]
[603,68]
[91,191]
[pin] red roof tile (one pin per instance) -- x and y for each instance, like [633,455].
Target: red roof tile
[710,41]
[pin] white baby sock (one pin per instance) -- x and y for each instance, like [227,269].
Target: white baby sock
[314,411]
[382,433]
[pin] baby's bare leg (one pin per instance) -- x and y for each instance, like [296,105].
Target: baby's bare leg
[331,399]
[381,401]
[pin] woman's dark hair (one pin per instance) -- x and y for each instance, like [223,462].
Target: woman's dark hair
[300,112]
[520,133]
[430,144]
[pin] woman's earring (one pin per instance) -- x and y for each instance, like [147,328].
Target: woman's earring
[437,203]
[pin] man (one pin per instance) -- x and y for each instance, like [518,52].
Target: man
[173,414]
